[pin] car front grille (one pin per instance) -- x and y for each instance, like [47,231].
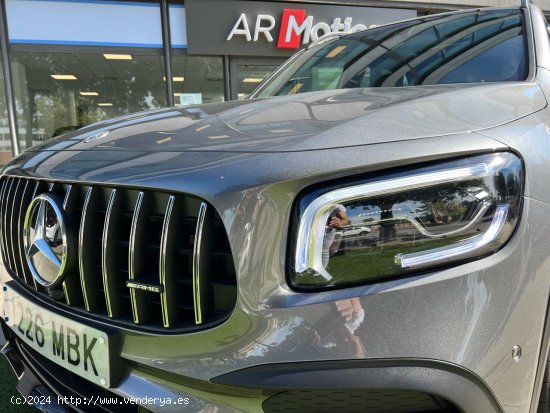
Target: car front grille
[146,258]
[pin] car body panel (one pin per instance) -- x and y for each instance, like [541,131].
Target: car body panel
[314,120]
[470,332]
[206,174]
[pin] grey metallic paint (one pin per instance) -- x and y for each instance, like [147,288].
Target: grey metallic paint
[470,315]
[315,120]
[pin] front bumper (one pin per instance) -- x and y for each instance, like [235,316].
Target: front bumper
[308,387]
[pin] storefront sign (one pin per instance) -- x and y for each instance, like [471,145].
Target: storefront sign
[253,28]
[296,28]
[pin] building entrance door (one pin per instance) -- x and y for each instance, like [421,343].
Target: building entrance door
[248,73]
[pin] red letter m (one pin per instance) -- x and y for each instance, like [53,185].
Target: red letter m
[289,37]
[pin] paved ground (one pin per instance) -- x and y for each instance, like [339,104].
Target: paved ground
[7,390]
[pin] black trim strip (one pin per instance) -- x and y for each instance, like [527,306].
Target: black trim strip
[460,386]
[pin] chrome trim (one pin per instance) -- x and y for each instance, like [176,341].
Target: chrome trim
[196,264]
[162,259]
[87,201]
[5,222]
[39,243]
[326,37]
[152,288]
[131,254]
[34,194]
[67,197]
[19,239]
[442,254]
[104,251]
[66,293]
[312,224]
[13,239]
[2,228]
[99,232]
[36,188]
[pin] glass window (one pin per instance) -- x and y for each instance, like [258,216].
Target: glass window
[197,79]
[250,76]
[59,91]
[484,46]
[5,142]
[507,56]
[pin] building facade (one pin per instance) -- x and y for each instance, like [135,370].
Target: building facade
[69,63]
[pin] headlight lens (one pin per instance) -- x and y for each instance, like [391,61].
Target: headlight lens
[401,224]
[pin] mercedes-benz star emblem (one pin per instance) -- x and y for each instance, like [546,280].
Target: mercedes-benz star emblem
[47,248]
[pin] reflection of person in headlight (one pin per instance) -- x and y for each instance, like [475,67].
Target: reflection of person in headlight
[337,219]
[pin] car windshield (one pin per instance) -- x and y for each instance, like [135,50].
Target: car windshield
[479,46]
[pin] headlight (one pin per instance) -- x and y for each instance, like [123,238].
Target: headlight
[403,223]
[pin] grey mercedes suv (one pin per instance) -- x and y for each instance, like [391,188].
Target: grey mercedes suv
[368,232]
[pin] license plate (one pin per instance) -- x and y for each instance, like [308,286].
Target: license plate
[81,349]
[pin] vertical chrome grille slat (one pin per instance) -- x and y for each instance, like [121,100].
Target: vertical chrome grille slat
[199,284]
[12,230]
[38,188]
[140,311]
[2,218]
[5,228]
[5,217]
[88,250]
[2,228]
[109,254]
[69,201]
[166,271]
[72,290]
[14,227]
[26,199]
[71,285]
[15,236]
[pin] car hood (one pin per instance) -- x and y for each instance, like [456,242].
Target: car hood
[311,121]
